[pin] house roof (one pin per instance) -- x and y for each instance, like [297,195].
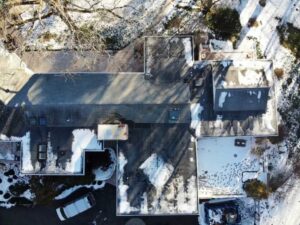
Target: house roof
[231,74]
[243,115]
[100,88]
[222,166]
[59,96]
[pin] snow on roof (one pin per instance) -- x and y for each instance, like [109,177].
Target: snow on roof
[221,165]
[219,45]
[183,194]
[26,164]
[157,170]
[222,98]
[123,203]
[196,110]
[254,73]
[84,139]
[188,51]
[77,207]
[172,194]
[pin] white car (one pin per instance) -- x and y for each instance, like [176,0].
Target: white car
[76,207]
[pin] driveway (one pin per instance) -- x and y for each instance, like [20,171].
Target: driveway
[104,213]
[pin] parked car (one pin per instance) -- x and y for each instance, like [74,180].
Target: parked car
[76,207]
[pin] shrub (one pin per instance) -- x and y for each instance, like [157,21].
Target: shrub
[279,72]
[262,3]
[258,150]
[290,38]
[173,23]
[225,22]
[48,36]
[18,188]
[252,22]
[256,189]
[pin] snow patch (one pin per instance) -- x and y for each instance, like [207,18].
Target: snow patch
[188,51]
[84,139]
[157,170]
[69,191]
[222,99]
[196,110]
[124,205]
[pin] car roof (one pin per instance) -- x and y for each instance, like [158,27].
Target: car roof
[77,207]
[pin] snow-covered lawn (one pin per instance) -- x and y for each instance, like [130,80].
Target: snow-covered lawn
[222,166]
[69,191]
[265,32]
[9,180]
[282,207]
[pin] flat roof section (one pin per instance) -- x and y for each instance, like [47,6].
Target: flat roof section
[168,58]
[57,151]
[100,89]
[222,166]
[74,115]
[242,85]
[242,74]
[157,171]
[233,123]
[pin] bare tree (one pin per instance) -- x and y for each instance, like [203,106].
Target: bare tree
[81,37]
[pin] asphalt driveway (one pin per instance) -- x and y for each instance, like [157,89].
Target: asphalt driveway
[104,213]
